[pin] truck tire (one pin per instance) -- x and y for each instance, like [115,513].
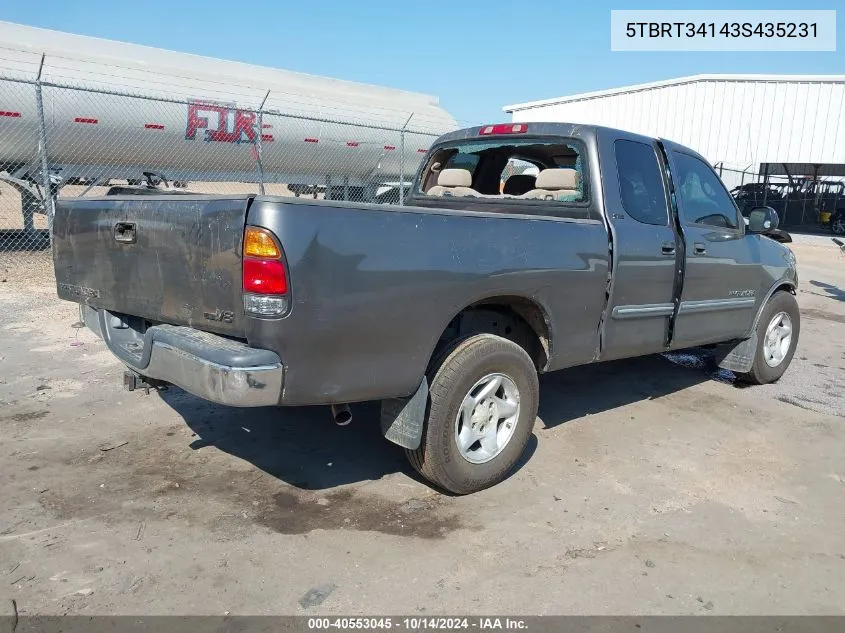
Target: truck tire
[777,337]
[483,400]
[837,222]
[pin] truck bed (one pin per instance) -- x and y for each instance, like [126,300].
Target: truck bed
[372,287]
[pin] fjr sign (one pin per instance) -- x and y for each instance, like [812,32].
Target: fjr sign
[222,123]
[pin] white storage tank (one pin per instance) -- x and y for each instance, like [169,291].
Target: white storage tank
[203,124]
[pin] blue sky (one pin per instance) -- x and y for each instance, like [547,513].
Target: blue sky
[476,55]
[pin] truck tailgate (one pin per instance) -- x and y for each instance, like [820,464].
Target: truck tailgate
[169,259]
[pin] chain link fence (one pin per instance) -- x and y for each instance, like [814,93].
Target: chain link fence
[63,139]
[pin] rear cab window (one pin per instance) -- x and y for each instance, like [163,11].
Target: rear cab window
[547,174]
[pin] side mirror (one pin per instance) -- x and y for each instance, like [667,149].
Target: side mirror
[762,220]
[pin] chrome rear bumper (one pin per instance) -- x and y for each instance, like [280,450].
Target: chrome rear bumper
[209,366]
[257,386]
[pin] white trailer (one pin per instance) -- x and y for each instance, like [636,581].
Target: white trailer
[113,110]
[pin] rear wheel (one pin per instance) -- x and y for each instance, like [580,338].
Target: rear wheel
[777,337]
[482,406]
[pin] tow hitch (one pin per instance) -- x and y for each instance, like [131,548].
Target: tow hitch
[133,380]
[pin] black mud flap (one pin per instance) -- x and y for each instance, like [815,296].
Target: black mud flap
[402,418]
[738,358]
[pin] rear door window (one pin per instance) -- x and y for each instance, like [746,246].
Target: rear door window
[641,183]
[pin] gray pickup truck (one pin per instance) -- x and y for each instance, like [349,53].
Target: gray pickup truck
[522,248]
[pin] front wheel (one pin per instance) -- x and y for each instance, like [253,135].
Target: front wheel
[837,223]
[777,338]
[482,405]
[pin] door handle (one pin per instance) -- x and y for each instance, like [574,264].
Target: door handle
[125,232]
[699,248]
[668,248]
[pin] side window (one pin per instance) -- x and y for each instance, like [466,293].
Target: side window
[703,197]
[641,183]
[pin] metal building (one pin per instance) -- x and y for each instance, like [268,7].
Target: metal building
[745,125]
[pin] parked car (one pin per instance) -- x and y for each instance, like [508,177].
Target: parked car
[445,309]
[754,194]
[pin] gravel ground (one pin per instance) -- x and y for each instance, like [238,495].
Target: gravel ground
[651,485]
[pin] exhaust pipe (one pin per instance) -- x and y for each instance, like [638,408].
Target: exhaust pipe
[341,414]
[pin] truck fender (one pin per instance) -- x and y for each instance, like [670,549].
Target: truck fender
[784,282]
[402,418]
[739,357]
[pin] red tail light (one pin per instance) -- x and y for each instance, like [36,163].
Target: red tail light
[265,282]
[265,277]
[503,128]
